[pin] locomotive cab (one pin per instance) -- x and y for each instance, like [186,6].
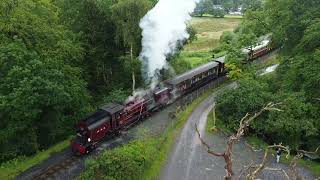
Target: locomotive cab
[81,145]
[90,131]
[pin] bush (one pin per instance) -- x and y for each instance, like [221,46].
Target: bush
[125,163]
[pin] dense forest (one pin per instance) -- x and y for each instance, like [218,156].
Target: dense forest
[295,29]
[59,60]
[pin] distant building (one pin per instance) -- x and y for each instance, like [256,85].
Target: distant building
[237,12]
[220,7]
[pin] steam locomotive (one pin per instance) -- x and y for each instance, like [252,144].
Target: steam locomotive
[113,117]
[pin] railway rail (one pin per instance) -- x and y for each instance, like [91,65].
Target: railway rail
[52,170]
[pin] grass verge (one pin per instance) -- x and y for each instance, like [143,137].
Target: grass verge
[143,158]
[219,124]
[10,169]
[169,136]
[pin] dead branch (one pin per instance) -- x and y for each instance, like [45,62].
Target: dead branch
[252,149]
[245,169]
[203,142]
[294,162]
[244,123]
[308,152]
[261,166]
[281,170]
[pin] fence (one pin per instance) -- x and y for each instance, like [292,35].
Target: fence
[187,99]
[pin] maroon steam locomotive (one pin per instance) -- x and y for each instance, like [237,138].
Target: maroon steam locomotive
[113,117]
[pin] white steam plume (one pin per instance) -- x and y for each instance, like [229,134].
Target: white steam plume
[163,28]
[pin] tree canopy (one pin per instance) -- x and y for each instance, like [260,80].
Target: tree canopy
[294,26]
[59,60]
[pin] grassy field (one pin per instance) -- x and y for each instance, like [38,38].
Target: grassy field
[209,30]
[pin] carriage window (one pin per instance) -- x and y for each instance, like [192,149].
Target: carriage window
[117,116]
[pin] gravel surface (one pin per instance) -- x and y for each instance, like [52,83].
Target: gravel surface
[189,159]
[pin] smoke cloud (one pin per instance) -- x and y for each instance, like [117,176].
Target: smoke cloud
[163,28]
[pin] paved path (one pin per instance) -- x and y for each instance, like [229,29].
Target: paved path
[190,161]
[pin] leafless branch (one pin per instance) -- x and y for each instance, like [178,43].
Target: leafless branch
[245,169]
[294,162]
[308,152]
[281,170]
[261,166]
[244,123]
[252,149]
[203,142]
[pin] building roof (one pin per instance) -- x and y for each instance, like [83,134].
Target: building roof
[189,74]
[112,108]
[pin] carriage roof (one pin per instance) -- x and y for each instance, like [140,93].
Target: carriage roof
[189,74]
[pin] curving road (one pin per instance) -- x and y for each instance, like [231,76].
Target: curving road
[190,161]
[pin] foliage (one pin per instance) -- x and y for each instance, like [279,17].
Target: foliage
[42,89]
[14,167]
[116,95]
[126,15]
[126,162]
[192,34]
[251,95]
[58,60]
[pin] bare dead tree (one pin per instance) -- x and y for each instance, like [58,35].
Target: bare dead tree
[258,168]
[294,162]
[244,123]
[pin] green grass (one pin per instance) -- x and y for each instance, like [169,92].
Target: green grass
[219,124]
[233,16]
[314,167]
[209,30]
[199,51]
[255,142]
[14,167]
[168,138]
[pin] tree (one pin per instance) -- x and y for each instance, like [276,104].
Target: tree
[42,91]
[92,21]
[248,97]
[126,15]
[243,125]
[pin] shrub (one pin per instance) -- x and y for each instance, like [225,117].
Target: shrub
[125,163]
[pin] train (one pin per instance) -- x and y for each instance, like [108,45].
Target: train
[111,118]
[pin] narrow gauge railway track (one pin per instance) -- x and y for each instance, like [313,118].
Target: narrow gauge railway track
[52,170]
